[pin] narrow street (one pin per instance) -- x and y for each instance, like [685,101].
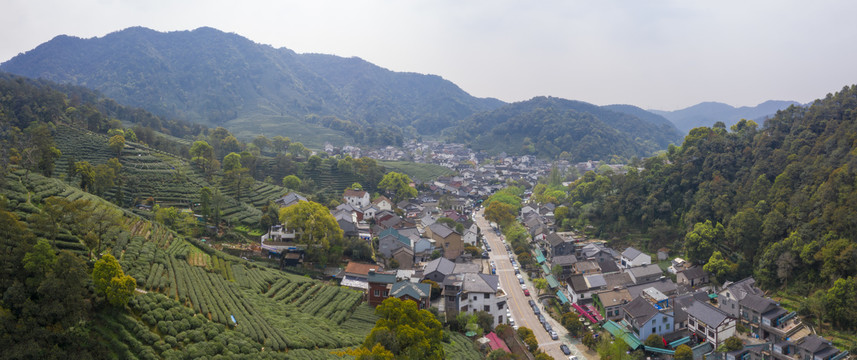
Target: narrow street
[518,302]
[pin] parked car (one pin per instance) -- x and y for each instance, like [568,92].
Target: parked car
[524,286]
[536,310]
[521,280]
[547,326]
[565,349]
[517,271]
[532,303]
[542,318]
[485,255]
[554,335]
[512,321]
[527,293]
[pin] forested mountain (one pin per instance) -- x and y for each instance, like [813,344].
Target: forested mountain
[776,202]
[218,78]
[558,128]
[708,113]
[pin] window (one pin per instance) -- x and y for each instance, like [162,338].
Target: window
[377,293]
[668,326]
[664,319]
[711,333]
[653,330]
[474,297]
[691,322]
[486,308]
[487,295]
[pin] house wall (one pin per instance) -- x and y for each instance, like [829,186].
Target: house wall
[378,292]
[469,238]
[642,259]
[388,244]
[405,260]
[728,303]
[435,276]
[715,335]
[482,301]
[452,245]
[660,324]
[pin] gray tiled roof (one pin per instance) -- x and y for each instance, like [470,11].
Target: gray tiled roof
[640,310]
[381,278]
[416,291]
[474,283]
[758,303]
[646,270]
[665,286]
[615,280]
[631,253]
[441,265]
[695,272]
[813,343]
[441,230]
[708,314]
[578,283]
[564,260]
[553,239]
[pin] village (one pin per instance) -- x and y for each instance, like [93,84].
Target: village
[626,293]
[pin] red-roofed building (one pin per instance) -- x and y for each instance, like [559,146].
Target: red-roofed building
[495,342]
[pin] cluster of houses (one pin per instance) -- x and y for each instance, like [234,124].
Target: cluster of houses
[464,286]
[632,298]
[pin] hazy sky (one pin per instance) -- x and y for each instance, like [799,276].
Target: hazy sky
[654,54]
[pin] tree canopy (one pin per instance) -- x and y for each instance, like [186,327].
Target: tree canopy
[406,331]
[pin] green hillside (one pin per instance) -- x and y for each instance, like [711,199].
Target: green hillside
[557,128]
[216,78]
[424,172]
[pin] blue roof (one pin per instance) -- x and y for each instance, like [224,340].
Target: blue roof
[540,258]
[552,281]
[562,298]
[622,333]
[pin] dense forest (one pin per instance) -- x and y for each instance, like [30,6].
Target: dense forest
[565,129]
[776,202]
[222,79]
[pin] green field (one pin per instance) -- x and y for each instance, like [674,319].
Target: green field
[311,135]
[168,179]
[424,172]
[194,292]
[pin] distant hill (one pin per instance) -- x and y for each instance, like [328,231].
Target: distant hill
[218,78]
[708,113]
[548,127]
[642,114]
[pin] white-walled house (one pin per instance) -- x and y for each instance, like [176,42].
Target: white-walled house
[711,322]
[470,292]
[645,319]
[356,198]
[469,237]
[632,257]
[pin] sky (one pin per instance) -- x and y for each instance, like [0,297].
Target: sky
[663,55]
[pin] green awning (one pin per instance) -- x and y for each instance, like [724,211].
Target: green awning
[562,298]
[540,258]
[712,296]
[621,333]
[546,269]
[552,281]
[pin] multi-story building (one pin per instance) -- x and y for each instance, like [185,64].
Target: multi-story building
[470,293]
[709,322]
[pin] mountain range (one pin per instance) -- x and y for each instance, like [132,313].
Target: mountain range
[223,79]
[708,113]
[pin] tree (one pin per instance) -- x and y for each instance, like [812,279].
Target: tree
[87,174]
[398,186]
[262,142]
[817,306]
[842,302]
[117,143]
[203,155]
[435,289]
[292,182]
[655,340]
[499,354]
[543,356]
[500,213]
[40,260]
[356,186]
[540,284]
[572,323]
[721,267]
[110,281]
[731,344]
[406,331]
[589,340]
[683,352]
[699,243]
[532,343]
[315,226]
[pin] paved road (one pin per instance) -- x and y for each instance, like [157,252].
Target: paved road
[517,301]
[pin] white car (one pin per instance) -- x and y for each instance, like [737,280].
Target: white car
[523,286]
